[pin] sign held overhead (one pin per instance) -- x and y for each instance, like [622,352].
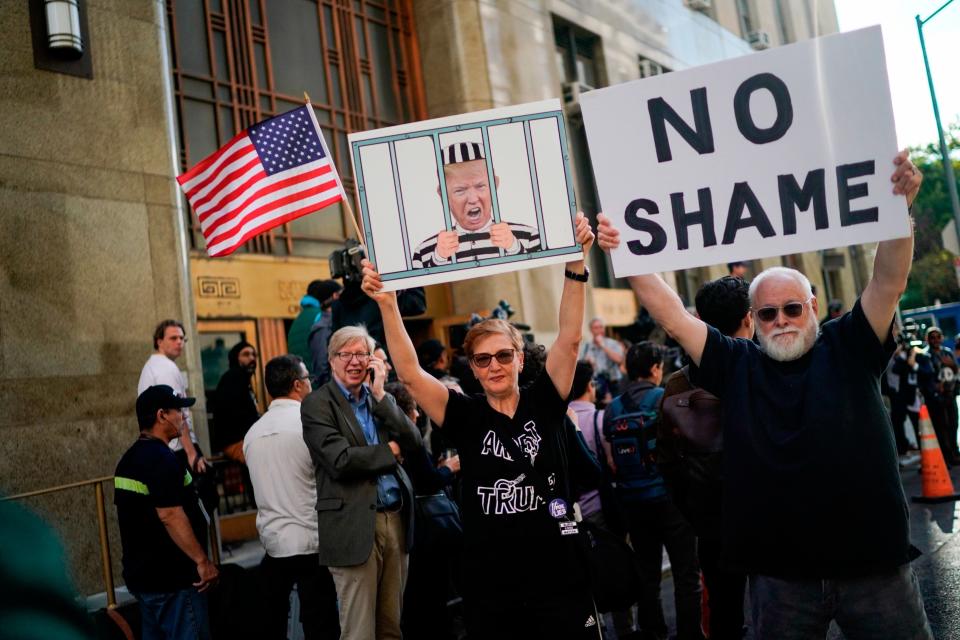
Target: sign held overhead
[774,153]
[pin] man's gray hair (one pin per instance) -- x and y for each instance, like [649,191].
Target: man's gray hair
[783,272]
[345,335]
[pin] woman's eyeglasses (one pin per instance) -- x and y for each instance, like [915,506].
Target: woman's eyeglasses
[790,310]
[482,360]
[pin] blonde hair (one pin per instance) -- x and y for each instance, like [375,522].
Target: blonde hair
[345,335]
[490,327]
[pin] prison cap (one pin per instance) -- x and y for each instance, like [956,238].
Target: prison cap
[462,152]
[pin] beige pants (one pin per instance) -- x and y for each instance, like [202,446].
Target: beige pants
[371,594]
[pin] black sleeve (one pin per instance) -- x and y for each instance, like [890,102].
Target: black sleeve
[165,481]
[857,335]
[461,408]
[719,354]
[547,401]
[412,302]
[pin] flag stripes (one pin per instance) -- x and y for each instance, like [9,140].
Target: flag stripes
[269,174]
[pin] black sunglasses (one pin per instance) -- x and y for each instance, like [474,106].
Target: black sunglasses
[482,360]
[790,310]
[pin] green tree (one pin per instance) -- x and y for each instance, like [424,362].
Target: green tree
[933,276]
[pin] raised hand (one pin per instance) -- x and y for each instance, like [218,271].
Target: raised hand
[447,244]
[372,285]
[608,236]
[906,178]
[501,235]
[583,233]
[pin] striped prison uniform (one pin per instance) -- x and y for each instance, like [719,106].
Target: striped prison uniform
[476,245]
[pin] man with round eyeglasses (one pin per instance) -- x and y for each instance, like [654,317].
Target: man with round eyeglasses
[813,506]
[356,435]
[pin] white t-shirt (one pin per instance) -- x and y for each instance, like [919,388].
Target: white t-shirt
[160,369]
[284,481]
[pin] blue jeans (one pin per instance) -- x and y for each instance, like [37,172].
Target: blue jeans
[178,615]
[885,606]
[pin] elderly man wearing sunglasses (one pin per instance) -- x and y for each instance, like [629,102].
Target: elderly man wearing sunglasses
[813,506]
[522,574]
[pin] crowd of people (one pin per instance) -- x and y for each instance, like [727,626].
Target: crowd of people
[391,478]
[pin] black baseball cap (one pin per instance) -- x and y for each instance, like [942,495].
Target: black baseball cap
[159,396]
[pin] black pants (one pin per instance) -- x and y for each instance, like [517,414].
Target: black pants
[950,407]
[898,414]
[940,417]
[541,614]
[654,525]
[725,591]
[315,588]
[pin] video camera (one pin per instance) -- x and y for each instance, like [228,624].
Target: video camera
[909,335]
[345,263]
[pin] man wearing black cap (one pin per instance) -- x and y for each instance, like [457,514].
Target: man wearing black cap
[235,406]
[310,331]
[163,528]
[474,235]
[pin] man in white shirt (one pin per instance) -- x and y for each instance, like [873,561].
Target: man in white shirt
[161,368]
[284,482]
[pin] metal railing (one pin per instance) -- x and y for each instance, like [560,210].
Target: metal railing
[105,558]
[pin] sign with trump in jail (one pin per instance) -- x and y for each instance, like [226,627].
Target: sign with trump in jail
[774,153]
[466,196]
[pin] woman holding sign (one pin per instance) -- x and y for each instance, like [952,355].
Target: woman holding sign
[522,571]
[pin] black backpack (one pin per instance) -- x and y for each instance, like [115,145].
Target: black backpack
[632,433]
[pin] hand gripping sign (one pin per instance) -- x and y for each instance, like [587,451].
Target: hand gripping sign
[774,153]
[466,196]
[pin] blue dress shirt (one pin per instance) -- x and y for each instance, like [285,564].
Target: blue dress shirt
[388,489]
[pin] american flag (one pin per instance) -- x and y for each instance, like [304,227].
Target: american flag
[270,173]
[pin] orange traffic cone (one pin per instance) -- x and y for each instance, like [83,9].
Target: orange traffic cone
[937,486]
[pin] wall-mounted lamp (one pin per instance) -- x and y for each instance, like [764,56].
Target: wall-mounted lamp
[63,27]
[61,36]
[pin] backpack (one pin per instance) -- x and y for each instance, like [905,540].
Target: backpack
[690,454]
[632,433]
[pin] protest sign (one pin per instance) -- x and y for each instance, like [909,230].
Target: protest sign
[466,196]
[774,153]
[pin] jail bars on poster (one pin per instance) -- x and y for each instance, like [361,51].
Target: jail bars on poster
[466,196]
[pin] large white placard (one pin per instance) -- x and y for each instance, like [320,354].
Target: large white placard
[496,184]
[774,153]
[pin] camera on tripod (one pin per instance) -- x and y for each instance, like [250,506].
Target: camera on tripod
[346,263]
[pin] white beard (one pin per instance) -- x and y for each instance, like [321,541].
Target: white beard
[794,344]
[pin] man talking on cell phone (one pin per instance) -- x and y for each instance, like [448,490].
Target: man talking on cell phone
[356,434]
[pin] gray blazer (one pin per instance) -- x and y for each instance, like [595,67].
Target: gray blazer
[347,469]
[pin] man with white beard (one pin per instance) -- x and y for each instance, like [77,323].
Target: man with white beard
[813,507]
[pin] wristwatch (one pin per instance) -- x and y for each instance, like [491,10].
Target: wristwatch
[579,277]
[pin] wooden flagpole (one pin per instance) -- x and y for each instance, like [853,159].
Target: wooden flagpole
[346,199]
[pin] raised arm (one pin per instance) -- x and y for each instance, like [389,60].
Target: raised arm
[429,392]
[562,357]
[891,266]
[660,300]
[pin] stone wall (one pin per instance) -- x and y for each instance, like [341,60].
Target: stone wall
[92,256]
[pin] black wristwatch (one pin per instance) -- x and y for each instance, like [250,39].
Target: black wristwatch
[579,277]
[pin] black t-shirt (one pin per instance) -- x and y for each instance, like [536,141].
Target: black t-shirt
[149,476]
[513,547]
[812,487]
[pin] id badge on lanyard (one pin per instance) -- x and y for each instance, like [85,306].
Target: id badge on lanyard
[560,511]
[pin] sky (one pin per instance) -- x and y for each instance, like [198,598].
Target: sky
[912,107]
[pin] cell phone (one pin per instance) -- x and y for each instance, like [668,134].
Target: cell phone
[373,374]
